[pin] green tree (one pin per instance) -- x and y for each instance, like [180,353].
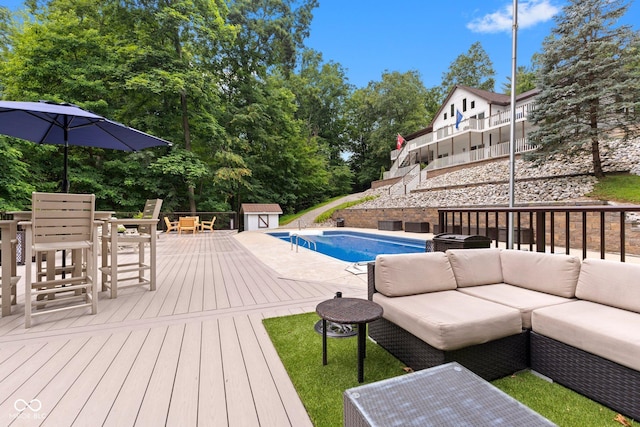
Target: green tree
[525,80]
[321,90]
[59,54]
[15,189]
[260,109]
[271,33]
[473,69]
[231,175]
[397,104]
[172,69]
[589,90]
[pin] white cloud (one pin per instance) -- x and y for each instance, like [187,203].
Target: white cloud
[530,13]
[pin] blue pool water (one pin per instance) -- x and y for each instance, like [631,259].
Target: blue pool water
[353,246]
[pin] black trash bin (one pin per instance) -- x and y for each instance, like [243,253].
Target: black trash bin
[444,241]
[340,222]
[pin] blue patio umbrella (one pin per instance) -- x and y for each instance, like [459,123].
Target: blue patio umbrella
[66,124]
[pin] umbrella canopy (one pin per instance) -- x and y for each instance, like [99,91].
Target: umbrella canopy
[66,124]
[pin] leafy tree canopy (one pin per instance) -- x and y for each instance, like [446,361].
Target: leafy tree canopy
[473,69]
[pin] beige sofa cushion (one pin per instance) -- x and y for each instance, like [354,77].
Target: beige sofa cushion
[611,283]
[555,274]
[409,274]
[525,300]
[608,332]
[473,267]
[450,320]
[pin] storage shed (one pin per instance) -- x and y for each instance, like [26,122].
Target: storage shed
[260,216]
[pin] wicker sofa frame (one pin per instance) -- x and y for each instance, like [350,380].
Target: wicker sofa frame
[597,378]
[602,380]
[492,360]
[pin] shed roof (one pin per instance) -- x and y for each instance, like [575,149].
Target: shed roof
[260,208]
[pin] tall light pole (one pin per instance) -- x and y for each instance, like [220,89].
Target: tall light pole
[512,130]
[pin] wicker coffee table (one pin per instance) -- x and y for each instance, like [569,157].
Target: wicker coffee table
[349,311]
[445,395]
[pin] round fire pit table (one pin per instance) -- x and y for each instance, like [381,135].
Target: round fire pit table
[349,311]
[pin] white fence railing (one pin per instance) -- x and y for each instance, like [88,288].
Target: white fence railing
[498,150]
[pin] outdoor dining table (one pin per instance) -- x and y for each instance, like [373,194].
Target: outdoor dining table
[100,216]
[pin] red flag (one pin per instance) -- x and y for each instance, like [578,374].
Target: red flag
[400,141]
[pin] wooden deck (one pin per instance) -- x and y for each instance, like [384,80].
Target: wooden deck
[194,352]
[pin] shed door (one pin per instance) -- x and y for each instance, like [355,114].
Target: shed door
[263,221]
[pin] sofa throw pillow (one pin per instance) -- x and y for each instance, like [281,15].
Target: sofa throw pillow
[613,283]
[473,267]
[555,274]
[409,274]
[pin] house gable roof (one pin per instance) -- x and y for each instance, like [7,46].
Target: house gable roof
[261,208]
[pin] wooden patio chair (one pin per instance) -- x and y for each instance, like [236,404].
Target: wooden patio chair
[141,272]
[61,222]
[171,225]
[207,225]
[187,223]
[8,277]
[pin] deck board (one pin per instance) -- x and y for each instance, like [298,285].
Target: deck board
[125,407]
[236,379]
[75,397]
[211,398]
[193,352]
[155,405]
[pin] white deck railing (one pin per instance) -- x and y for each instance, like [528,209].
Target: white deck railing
[498,150]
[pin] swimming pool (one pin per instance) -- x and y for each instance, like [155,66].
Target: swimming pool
[352,246]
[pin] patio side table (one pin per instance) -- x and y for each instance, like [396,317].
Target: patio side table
[349,311]
[445,395]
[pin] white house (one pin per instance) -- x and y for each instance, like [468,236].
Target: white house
[471,125]
[260,216]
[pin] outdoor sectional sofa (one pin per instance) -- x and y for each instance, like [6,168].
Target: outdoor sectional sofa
[499,311]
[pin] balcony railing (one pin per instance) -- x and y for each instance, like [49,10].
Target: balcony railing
[468,125]
[498,150]
[472,124]
[602,229]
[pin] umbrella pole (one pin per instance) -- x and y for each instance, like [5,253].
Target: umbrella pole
[65,181]
[65,176]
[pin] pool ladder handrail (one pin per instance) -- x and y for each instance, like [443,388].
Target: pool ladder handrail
[298,237]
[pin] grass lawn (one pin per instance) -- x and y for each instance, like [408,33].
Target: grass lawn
[620,188]
[320,387]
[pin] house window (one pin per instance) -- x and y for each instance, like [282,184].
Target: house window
[453,111]
[445,116]
[473,104]
[464,105]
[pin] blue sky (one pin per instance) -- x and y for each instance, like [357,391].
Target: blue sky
[369,37]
